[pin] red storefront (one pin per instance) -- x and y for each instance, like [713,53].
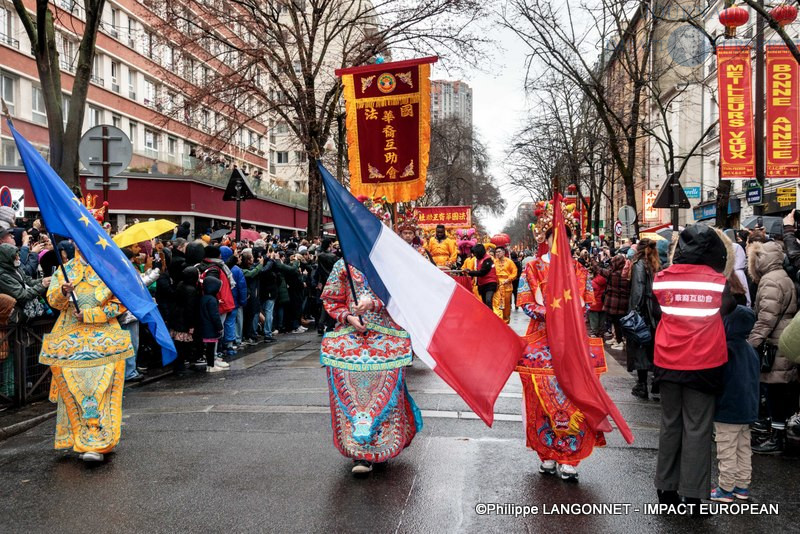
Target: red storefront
[179,198]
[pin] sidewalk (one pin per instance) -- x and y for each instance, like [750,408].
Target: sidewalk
[15,420]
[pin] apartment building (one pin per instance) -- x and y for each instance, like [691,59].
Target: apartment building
[451,99]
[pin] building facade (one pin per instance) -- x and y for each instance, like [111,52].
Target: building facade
[451,99]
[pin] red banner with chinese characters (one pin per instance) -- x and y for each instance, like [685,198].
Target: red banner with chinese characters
[450,216]
[783,113]
[388,128]
[737,148]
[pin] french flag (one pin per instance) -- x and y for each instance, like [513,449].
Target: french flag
[456,335]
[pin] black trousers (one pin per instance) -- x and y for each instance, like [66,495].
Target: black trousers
[685,440]
[210,350]
[487,292]
[782,401]
[185,351]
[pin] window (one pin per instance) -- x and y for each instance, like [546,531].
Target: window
[95,116]
[206,75]
[133,133]
[115,76]
[7,28]
[114,19]
[132,84]
[281,157]
[205,118]
[38,111]
[116,121]
[172,147]
[65,100]
[169,58]
[97,70]
[149,44]
[300,156]
[10,155]
[67,53]
[8,83]
[150,142]
[282,128]
[149,93]
[170,102]
[132,33]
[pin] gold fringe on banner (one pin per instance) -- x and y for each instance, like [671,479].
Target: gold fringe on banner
[400,191]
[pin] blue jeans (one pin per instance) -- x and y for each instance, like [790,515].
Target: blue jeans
[229,327]
[130,363]
[239,323]
[268,308]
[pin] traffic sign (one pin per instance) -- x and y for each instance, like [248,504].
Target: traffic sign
[627,215]
[755,196]
[618,228]
[672,195]
[14,199]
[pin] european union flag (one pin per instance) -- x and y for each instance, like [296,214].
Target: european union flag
[65,215]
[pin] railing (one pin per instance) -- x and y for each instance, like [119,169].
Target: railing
[22,378]
[10,41]
[97,80]
[67,66]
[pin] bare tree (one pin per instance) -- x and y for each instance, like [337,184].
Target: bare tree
[40,29]
[458,170]
[277,58]
[565,37]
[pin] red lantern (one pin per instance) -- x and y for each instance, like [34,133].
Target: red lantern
[571,188]
[732,18]
[784,14]
[501,240]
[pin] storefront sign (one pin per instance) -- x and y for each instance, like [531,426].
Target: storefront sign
[692,192]
[787,196]
[650,213]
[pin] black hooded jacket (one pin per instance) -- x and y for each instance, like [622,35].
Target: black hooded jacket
[210,321]
[185,313]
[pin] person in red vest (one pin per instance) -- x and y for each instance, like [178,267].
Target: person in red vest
[690,354]
[484,273]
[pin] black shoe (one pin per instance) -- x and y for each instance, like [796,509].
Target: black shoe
[640,390]
[320,332]
[269,339]
[668,497]
[773,445]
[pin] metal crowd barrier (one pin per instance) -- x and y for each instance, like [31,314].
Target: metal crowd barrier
[22,378]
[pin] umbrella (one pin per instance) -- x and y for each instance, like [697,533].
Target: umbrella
[773,225]
[247,233]
[219,234]
[144,231]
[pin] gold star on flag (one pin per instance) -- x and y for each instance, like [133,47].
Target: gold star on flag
[84,219]
[555,304]
[567,295]
[103,243]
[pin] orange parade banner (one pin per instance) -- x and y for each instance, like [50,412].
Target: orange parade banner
[449,216]
[783,113]
[388,109]
[737,148]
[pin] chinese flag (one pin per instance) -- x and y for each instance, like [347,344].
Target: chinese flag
[566,335]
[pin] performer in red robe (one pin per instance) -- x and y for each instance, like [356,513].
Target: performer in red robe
[555,428]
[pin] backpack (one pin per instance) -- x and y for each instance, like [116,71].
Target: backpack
[225,296]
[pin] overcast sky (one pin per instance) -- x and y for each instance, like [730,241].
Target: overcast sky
[499,108]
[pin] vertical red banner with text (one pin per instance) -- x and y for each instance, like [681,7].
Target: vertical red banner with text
[783,113]
[736,138]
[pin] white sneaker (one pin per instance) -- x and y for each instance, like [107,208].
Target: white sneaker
[275,332]
[219,362]
[568,472]
[548,467]
[297,331]
[617,346]
[91,457]
[361,467]
[214,369]
[302,329]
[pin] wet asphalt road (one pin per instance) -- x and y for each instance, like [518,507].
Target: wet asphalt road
[249,450]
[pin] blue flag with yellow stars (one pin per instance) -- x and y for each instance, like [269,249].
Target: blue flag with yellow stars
[65,215]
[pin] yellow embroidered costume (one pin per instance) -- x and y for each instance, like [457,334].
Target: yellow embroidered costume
[87,357]
[506,273]
[443,252]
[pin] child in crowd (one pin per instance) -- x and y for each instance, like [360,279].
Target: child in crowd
[737,406]
[185,316]
[597,317]
[211,328]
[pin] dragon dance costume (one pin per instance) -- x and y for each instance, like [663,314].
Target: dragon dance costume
[87,359]
[554,427]
[372,415]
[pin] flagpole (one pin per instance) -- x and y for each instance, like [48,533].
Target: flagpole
[344,257]
[52,240]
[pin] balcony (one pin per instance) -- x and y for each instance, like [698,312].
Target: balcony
[8,40]
[97,80]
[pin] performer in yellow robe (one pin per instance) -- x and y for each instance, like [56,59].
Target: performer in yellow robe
[86,352]
[442,249]
[506,274]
